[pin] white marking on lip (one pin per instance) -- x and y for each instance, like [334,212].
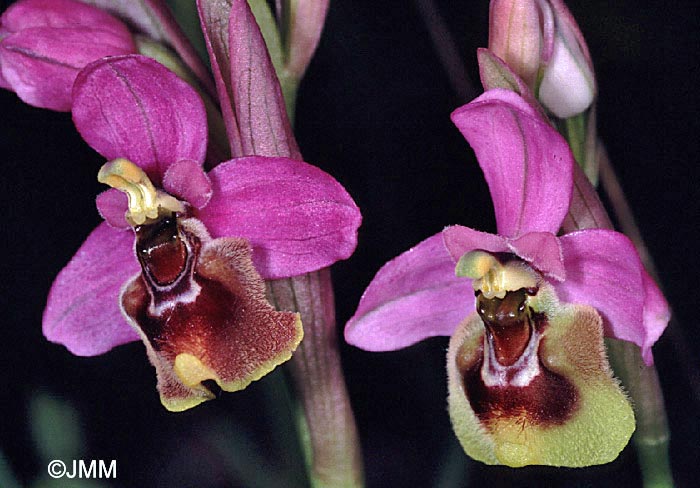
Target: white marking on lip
[521,373]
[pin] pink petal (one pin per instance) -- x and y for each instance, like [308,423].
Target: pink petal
[112,205]
[527,164]
[3,81]
[46,44]
[187,181]
[414,296]
[214,17]
[656,316]
[543,251]
[460,240]
[603,270]
[297,218]
[82,311]
[260,109]
[133,107]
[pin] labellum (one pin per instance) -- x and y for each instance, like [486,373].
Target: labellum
[198,304]
[529,382]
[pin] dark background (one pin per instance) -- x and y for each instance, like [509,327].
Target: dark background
[374,112]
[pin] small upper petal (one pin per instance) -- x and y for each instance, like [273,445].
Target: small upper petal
[82,310]
[414,296]
[186,180]
[603,270]
[543,251]
[296,217]
[112,205]
[527,164]
[460,240]
[135,108]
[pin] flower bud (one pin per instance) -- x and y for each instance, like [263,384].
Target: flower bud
[540,41]
[45,43]
[568,83]
[305,25]
[515,36]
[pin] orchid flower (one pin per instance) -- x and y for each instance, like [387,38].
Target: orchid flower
[188,281]
[45,43]
[526,310]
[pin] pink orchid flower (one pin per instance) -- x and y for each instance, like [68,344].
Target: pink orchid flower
[190,287]
[533,355]
[45,43]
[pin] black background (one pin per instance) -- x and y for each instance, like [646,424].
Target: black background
[374,112]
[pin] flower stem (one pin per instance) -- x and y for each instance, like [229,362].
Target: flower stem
[446,50]
[640,380]
[326,423]
[651,436]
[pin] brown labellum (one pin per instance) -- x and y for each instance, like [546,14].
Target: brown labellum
[526,390]
[200,307]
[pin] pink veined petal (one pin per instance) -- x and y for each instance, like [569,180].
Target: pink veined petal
[656,315]
[112,205]
[543,251]
[296,217]
[82,311]
[460,240]
[187,181]
[603,270]
[135,108]
[414,296]
[260,109]
[46,43]
[527,164]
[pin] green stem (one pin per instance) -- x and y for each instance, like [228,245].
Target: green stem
[326,422]
[642,381]
[575,133]
[290,86]
[651,437]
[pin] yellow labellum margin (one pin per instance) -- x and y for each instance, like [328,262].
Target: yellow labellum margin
[572,411]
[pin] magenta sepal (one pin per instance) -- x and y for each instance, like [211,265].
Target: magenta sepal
[82,311]
[121,111]
[45,43]
[414,296]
